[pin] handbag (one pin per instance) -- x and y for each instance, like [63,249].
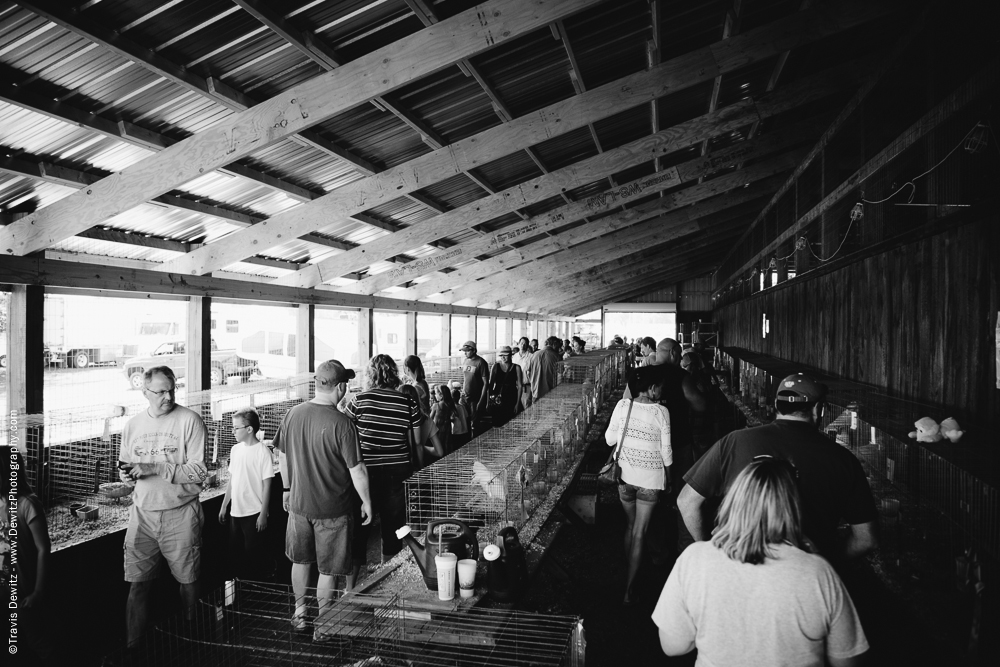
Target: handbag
[611,472]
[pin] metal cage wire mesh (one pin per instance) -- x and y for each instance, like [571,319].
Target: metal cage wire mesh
[503,476]
[247,624]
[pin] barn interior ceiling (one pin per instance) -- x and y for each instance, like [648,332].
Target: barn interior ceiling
[444,152]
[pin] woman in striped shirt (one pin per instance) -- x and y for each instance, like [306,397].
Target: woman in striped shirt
[386,420]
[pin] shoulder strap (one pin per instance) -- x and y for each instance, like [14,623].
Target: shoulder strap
[621,435]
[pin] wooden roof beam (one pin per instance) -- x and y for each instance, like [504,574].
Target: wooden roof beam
[685,206]
[524,132]
[730,26]
[540,188]
[627,249]
[983,82]
[56,12]
[40,271]
[611,279]
[303,106]
[690,266]
[571,177]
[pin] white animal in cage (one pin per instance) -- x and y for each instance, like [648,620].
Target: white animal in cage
[491,483]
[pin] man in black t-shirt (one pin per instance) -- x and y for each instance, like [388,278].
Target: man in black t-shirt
[832,484]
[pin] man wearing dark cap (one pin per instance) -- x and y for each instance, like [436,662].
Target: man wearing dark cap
[832,484]
[477,374]
[320,462]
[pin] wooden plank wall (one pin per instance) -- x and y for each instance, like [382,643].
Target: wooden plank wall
[918,321]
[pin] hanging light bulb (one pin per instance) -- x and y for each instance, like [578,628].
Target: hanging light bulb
[801,243]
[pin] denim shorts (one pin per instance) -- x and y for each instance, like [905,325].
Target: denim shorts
[630,493]
[326,542]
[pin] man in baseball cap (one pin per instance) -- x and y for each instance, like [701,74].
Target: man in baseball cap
[832,484]
[476,372]
[801,389]
[320,462]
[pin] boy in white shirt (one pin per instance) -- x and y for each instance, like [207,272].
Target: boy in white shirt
[249,489]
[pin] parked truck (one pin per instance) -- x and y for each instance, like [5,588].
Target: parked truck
[83,331]
[225,363]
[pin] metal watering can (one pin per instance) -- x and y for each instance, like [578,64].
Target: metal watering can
[442,536]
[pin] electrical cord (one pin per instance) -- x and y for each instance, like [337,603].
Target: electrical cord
[910,183]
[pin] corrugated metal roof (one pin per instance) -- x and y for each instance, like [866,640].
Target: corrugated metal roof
[216,38]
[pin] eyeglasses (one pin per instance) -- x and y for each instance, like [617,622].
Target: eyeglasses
[237,428]
[160,394]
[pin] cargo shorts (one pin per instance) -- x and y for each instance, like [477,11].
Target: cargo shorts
[172,535]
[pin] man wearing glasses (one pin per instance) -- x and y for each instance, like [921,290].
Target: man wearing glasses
[162,452]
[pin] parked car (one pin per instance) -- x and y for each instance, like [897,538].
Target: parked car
[225,363]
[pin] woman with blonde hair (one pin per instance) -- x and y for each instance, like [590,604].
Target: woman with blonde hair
[754,595]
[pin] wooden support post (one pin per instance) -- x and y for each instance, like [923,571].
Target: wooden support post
[305,349]
[411,332]
[366,334]
[25,367]
[491,336]
[445,335]
[471,332]
[198,345]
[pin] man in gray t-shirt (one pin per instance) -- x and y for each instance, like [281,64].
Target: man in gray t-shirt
[320,461]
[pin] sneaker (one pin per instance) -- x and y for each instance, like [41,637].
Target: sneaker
[321,637]
[300,622]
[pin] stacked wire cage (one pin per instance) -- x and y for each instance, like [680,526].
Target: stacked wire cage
[936,501]
[247,624]
[503,476]
[71,456]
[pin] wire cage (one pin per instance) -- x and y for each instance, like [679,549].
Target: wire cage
[72,455]
[935,501]
[503,476]
[248,624]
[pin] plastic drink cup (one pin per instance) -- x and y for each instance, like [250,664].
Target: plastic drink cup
[467,577]
[447,564]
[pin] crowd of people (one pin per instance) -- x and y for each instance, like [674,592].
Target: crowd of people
[342,456]
[762,523]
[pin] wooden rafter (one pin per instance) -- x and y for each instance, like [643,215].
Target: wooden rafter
[677,209]
[303,106]
[681,72]
[645,270]
[628,155]
[51,273]
[980,84]
[797,94]
[150,60]
[130,133]
[527,193]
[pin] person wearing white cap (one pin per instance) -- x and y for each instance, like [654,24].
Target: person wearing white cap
[831,481]
[477,375]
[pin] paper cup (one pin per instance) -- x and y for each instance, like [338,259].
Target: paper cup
[446,564]
[467,577]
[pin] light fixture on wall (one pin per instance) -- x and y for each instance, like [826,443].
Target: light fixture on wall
[857,212]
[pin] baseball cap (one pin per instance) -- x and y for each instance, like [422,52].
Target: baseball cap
[800,388]
[468,345]
[333,372]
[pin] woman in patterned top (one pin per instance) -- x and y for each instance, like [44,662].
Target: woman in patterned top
[645,457]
